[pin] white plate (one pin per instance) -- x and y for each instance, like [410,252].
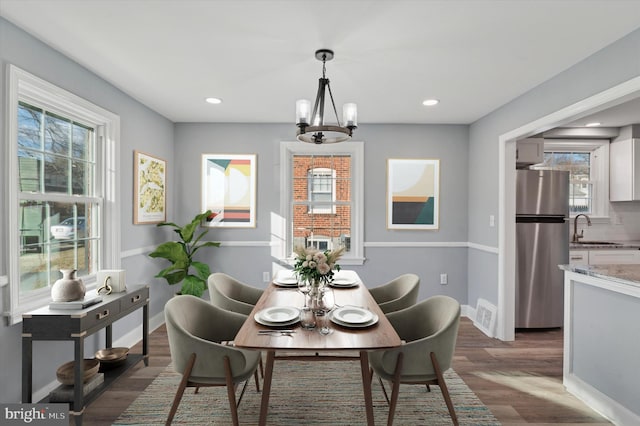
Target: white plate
[286,281]
[353,315]
[278,314]
[278,324]
[343,282]
[344,324]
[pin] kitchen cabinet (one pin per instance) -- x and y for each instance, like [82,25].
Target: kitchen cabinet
[604,257]
[617,257]
[579,257]
[529,151]
[624,170]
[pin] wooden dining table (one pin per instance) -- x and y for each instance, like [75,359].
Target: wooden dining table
[344,343]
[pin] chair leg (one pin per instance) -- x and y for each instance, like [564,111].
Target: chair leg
[255,375]
[443,387]
[384,390]
[396,390]
[261,367]
[231,391]
[181,388]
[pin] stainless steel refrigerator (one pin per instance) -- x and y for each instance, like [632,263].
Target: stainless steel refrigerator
[542,241]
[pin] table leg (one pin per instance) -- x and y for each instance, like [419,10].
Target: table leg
[366,386]
[266,387]
[145,334]
[78,371]
[27,368]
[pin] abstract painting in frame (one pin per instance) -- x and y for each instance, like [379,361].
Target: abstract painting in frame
[150,189]
[229,190]
[413,193]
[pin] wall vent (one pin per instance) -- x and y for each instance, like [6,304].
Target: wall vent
[485,318]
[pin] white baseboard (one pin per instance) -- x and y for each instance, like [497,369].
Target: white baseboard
[128,340]
[596,400]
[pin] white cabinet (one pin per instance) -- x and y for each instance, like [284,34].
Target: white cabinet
[530,151]
[624,170]
[579,257]
[604,257]
[618,256]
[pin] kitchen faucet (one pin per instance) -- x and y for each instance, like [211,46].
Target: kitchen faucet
[576,237]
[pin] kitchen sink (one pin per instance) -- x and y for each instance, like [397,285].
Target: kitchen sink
[598,243]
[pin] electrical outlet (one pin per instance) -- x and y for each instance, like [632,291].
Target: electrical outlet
[492,221]
[443,279]
[266,277]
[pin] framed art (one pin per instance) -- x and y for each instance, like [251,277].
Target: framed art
[413,193]
[229,190]
[150,190]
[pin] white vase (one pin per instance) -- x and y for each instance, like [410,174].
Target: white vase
[68,288]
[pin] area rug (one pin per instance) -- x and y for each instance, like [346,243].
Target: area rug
[308,393]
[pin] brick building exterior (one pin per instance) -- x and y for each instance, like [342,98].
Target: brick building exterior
[321,218]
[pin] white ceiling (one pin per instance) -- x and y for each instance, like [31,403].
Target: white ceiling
[258,55]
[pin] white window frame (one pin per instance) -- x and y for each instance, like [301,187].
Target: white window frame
[25,87]
[322,171]
[599,169]
[356,151]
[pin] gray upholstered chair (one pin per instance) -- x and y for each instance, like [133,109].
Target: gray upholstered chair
[398,293]
[429,330]
[232,295]
[198,332]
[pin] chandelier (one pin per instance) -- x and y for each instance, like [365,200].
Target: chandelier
[317,131]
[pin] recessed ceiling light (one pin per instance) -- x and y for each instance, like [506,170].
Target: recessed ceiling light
[594,124]
[214,100]
[430,102]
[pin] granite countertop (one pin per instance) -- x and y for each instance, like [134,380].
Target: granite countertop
[615,246]
[626,274]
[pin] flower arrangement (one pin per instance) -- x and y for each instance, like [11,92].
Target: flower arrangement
[313,264]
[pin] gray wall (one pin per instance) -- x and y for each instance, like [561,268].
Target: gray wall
[613,65]
[141,129]
[446,142]
[469,186]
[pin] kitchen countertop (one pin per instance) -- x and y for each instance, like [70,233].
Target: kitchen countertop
[625,274]
[617,246]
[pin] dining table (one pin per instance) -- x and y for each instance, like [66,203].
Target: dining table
[347,341]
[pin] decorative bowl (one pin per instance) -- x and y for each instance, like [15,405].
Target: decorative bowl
[65,371]
[111,357]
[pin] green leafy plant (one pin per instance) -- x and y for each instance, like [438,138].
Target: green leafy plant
[180,254]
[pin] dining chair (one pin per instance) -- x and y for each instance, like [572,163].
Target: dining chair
[228,293]
[429,330]
[399,293]
[198,335]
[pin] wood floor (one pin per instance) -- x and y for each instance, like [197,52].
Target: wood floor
[521,381]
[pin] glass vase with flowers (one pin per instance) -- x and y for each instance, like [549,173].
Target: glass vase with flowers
[317,267]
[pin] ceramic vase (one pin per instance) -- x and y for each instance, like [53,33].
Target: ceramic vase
[68,288]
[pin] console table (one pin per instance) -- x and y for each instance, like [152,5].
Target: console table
[76,325]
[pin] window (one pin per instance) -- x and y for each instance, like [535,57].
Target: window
[322,188]
[322,205]
[587,163]
[59,147]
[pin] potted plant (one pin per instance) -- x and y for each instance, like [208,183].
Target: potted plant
[180,254]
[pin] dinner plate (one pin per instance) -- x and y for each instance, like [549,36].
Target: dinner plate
[286,281]
[343,282]
[373,321]
[278,315]
[353,315]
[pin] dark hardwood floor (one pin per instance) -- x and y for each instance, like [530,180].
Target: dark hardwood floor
[520,381]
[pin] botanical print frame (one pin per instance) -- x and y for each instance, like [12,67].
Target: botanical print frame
[229,190]
[413,193]
[149,189]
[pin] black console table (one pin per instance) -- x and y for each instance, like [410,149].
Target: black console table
[76,325]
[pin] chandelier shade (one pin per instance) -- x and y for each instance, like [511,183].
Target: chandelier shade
[311,123]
